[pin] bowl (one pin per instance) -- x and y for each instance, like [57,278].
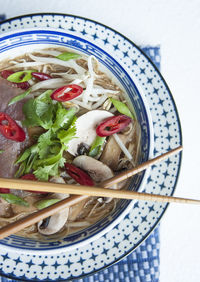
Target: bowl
[17,43]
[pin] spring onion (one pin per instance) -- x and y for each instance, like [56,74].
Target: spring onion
[96,146]
[20,76]
[19,97]
[122,108]
[45,203]
[13,199]
[66,56]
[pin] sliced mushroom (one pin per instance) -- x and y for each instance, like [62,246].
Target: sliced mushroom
[96,169]
[5,208]
[54,223]
[86,129]
[111,152]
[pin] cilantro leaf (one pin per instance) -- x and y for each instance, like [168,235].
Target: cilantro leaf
[50,159]
[64,117]
[43,172]
[66,135]
[29,111]
[39,111]
[44,143]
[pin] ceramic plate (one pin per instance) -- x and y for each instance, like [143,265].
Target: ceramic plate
[142,219]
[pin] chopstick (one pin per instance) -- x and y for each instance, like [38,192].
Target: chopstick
[94,191]
[35,217]
[21,184]
[85,191]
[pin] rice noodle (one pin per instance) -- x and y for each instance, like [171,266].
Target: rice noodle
[25,65]
[97,91]
[69,64]
[95,206]
[89,82]
[48,84]
[87,106]
[69,76]
[99,103]
[123,148]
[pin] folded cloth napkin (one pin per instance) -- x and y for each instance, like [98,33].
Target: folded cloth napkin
[142,265]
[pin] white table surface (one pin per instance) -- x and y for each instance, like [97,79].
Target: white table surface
[175,26]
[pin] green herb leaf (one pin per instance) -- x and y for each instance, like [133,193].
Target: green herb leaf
[1,151]
[66,135]
[19,97]
[23,156]
[43,173]
[27,159]
[45,97]
[122,108]
[45,203]
[30,162]
[64,117]
[39,111]
[13,199]
[44,143]
[66,56]
[31,150]
[96,146]
[29,110]
[21,170]
[52,159]
[55,148]
[20,76]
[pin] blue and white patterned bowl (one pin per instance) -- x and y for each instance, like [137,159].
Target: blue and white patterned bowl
[144,216]
[18,42]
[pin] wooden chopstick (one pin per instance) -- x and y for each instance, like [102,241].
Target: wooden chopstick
[125,175]
[85,191]
[35,217]
[21,184]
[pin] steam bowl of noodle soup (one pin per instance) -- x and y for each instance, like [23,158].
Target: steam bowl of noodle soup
[58,89]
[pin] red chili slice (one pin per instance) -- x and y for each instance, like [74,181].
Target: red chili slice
[32,177]
[41,76]
[23,85]
[10,129]
[4,190]
[79,175]
[6,73]
[112,125]
[62,96]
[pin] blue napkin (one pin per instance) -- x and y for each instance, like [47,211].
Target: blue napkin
[142,265]
[2,17]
